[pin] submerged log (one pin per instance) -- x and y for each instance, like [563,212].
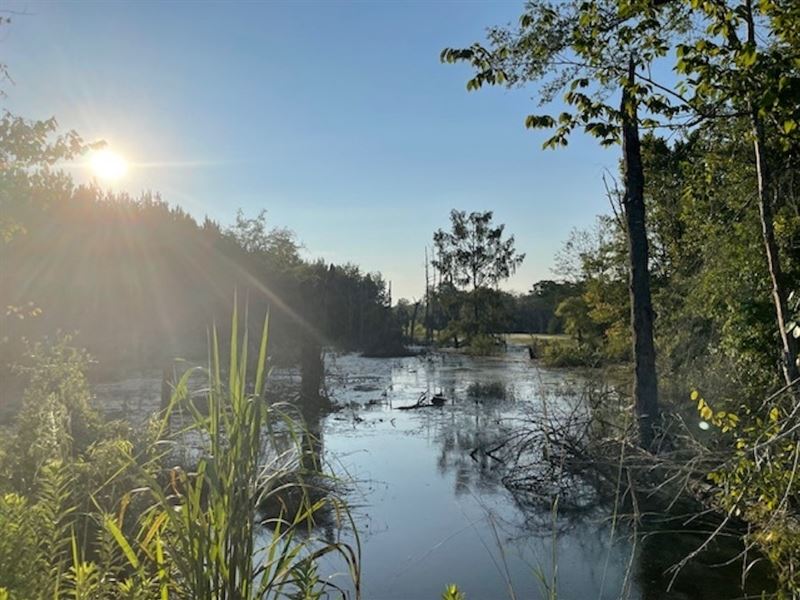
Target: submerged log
[423,402]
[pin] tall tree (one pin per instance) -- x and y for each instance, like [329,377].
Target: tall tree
[590,50]
[644,349]
[473,255]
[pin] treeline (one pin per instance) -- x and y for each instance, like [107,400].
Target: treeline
[533,312]
[463,304]
[715,320]
[140,280]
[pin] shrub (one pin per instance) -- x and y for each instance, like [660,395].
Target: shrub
[484,345]
[567,353]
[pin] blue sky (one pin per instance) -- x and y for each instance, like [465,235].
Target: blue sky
[336,117]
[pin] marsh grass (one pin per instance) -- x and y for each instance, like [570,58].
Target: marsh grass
[189,532]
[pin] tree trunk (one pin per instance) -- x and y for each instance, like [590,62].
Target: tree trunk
[413,322]
[645,382]
[312,373]
[312,364]
[765,194]
[779,293]
[476,311]
[428,298]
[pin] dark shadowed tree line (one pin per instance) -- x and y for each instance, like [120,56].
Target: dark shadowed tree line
[139,280]
[535,311]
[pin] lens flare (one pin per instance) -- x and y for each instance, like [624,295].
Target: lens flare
[108,165]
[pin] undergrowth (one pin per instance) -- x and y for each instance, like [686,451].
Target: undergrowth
[90,509]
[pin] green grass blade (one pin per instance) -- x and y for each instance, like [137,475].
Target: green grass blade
[119,537]
[262,356]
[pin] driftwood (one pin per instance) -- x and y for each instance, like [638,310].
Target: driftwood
[424,402]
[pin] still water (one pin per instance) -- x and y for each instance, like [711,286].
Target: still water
[432,512]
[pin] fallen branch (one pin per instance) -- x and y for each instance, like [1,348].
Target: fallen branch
[436,400]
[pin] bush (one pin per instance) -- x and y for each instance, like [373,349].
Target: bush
[56,421]
[567,353]
[484,345]
[757,480]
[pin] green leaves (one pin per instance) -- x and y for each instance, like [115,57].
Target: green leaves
[451,592]
[112,527]
[488,65]
[539,121]
[725,421]
[453,55]
[473,253]
[572,48]
[747,56]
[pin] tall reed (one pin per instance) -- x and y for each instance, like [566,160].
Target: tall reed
[197,532]
[209,521]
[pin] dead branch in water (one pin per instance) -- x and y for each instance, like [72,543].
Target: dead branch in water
[423,402]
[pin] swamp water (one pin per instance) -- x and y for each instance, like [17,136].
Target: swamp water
[431,512]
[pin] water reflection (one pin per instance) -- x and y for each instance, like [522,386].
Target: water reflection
[430,502]
[436,510]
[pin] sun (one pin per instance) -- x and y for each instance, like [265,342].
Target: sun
[108,165]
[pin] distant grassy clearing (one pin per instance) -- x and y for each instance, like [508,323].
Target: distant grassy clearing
[526,338]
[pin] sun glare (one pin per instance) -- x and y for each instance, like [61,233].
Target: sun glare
[108,165]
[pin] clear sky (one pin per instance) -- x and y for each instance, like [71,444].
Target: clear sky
[336,117]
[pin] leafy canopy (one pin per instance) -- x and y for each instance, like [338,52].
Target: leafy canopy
[583,50]
[474,253]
